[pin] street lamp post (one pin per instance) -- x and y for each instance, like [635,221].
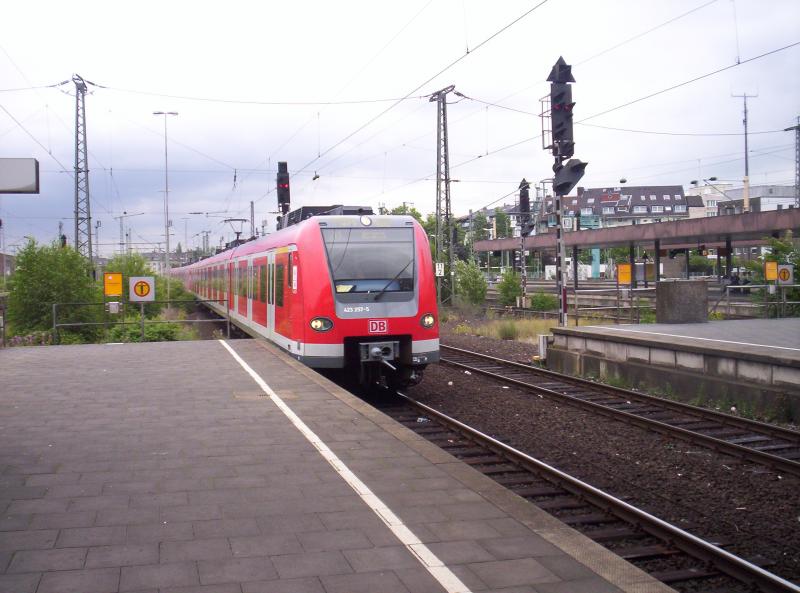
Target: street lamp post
[166,197]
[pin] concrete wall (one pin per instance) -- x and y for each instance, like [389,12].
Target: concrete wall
[702,375]
[681,301]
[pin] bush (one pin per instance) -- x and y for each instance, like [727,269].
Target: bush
[507,330]
[509,288]
[47,275]
[160,332]
[544,302]
[470,283]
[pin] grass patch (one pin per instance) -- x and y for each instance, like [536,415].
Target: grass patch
[512,329]
[507,330]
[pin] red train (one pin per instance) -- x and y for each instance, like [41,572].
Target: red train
[347,292]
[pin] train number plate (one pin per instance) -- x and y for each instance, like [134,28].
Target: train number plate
[378,326]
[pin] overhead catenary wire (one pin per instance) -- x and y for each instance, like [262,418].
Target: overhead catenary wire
[421,85]
[585,60]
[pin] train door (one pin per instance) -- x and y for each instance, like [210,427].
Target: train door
[251,288]
[271,295]
[260,291]
[241,301]
[231,292]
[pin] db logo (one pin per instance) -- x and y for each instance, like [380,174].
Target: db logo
[378,326]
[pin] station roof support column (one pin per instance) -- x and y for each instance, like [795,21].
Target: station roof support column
[657,260]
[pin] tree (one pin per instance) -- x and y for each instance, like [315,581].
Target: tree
[410,211]
[470,283]
[509,288]
[47,275]
[502,223]
[478,232]
[479,226]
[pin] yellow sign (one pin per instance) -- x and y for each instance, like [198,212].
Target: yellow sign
[141,288]
[623,273]
[112,284]
[771,270]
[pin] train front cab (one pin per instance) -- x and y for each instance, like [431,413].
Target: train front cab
[381,290]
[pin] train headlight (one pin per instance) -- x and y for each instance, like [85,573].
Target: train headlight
[427,320]
[366,220]
[321,324]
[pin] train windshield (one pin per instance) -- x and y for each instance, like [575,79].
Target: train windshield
[374,260]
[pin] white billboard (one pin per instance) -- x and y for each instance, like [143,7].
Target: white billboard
[19,176]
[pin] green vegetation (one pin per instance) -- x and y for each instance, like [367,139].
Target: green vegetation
[507,330]
[161,332]
[509,288]
[523,329]
[544,302]
[470,283]
[48,274]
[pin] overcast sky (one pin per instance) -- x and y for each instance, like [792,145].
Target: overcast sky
[243,77]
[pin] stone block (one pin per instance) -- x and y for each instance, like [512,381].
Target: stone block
[786,376]
[681,301]
[638,353]
[689,361]
[662,357]
[559,341]
[754,372]
[596,346]
[576,343]
[616,351]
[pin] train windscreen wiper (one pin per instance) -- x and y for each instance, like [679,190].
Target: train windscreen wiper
[388,284]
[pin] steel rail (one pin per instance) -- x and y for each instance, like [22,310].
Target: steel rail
[722,560]
[773,461]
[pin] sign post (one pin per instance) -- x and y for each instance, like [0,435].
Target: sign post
[142,289]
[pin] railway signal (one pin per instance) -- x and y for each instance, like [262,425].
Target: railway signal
[562,146]
[282,183]
[567,175]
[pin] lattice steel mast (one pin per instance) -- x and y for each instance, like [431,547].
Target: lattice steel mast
[444,231]
[83,217]
[796,129]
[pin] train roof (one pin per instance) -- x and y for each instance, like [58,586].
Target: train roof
[291,234]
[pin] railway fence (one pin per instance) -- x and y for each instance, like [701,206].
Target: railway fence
[108,321]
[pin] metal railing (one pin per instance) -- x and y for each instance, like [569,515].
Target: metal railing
[625,300]
[780,303]
[142,322]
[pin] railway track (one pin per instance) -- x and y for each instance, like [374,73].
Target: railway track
[668,553]
[757,442]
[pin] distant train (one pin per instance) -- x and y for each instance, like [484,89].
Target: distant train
[345,292]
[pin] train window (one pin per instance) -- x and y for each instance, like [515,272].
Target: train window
[242,270]
[371,260]
[271,283]
[262,276]
[290,269]
[280,270]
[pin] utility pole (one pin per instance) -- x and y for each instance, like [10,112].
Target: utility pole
[252,219]
[746,180]
[83,217]
[97,225]
[559,106]
[122,218]
[167,221]
[796,129]
[444,235]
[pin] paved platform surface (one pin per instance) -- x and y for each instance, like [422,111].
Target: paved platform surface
[776,338]
[166,468]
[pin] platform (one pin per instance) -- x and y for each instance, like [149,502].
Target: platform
[172,467]
[754,363]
